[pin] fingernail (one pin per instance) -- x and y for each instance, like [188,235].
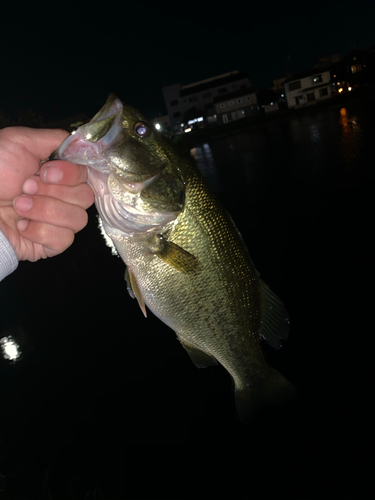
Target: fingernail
[30,186]
[52,174]
[22,224]
[23,203]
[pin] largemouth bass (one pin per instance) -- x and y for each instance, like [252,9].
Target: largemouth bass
[186,260]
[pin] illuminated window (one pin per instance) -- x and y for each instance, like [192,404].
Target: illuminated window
[317,79]
[195,120]
[356,68]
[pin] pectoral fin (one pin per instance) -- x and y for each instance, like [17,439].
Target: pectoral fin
[198,357]
[174,255]
[134,290]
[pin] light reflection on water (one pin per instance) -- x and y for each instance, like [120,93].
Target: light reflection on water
[309,152]
[207,165]
[351,138]
[10,349]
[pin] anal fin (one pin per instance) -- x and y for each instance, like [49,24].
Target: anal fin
[200,358]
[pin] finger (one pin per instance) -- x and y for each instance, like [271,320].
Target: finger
[53,240]
[81,195]
[52,211]
[63,172]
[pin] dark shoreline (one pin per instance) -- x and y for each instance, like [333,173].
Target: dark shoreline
[200,136]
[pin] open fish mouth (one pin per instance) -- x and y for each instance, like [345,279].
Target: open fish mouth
[86,145]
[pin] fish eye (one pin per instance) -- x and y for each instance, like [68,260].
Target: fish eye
[142,129]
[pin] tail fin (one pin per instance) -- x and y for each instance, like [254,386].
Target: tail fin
[274,391]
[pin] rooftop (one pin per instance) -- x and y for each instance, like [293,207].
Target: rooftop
[309,72]
[210,83]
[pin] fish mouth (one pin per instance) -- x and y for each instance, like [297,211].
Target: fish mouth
[97,144]
[86,145]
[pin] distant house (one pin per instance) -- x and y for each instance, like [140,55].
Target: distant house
[278,86]
[193,104]
[355,70]
[271,107]
[308,87]
[236,105]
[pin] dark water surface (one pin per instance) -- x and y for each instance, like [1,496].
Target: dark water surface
[103,401]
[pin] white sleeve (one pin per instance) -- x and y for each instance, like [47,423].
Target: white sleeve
[8,257]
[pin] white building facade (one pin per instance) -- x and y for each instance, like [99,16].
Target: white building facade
[236,105]
[307,88]
[195,103]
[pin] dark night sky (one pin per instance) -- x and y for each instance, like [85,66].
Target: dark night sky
[59,58]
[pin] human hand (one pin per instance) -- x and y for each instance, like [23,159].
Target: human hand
[42,221]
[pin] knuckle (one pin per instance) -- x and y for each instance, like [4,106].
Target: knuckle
[82,220]
[88,196]
[57,238]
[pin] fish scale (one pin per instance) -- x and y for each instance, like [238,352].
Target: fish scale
[186,259]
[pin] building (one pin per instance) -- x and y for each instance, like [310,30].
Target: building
[355,70]
[308,87]
[278,86]
[236,105]
[194,105]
